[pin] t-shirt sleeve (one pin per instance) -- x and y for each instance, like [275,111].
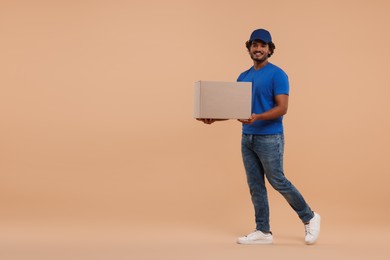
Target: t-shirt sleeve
[281,84]
[240,77]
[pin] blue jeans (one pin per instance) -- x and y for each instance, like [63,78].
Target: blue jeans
[263,156]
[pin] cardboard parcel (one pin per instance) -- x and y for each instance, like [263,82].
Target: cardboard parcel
[222,100]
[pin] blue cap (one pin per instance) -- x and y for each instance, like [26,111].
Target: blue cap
[261,34]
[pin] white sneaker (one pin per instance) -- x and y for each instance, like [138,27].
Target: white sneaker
[256,237]
[313,229]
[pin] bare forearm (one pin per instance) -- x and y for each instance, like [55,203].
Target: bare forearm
[271,114]
[279,110]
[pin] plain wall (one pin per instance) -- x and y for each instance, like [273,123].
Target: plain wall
[96,110]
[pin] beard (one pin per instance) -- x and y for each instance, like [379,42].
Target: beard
[258,58]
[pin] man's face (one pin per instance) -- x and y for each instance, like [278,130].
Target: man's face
[259,51]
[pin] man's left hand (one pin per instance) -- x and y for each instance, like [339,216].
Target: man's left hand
[248,121]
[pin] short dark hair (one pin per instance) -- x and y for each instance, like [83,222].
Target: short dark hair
[270,44]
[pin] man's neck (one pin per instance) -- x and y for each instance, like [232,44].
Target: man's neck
[259,65]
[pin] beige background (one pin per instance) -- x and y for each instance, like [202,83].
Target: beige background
[100,158]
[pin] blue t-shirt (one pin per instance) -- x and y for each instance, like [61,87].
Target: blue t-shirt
[267,82]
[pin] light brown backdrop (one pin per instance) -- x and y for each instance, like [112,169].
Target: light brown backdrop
[96,110]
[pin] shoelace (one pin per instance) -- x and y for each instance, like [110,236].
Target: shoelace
[307,229]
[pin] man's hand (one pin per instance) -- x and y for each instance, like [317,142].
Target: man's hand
[206,120]
[210,120]
[249,121]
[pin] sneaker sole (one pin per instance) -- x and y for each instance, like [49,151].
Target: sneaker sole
[256,242]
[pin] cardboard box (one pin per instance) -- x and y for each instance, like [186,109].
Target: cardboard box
[222,100]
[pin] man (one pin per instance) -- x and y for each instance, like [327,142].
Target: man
[262,143]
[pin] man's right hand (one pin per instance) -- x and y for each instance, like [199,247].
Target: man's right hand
[206,120]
